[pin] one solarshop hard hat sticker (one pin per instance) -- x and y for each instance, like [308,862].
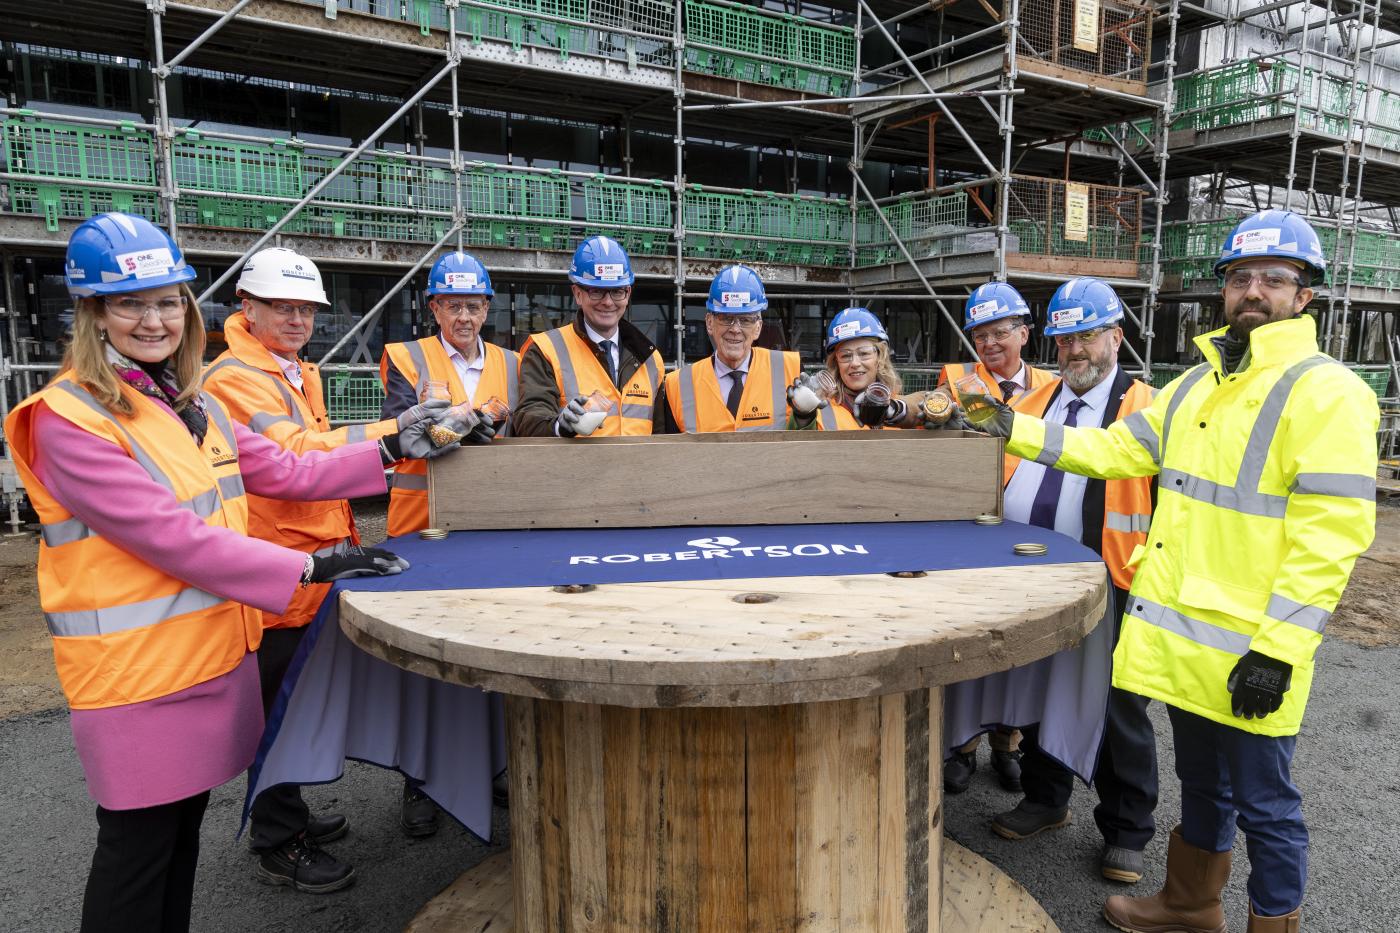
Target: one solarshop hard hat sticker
[461,280]
[983,309]
[1062,316]
[607,270]
[735,299]
[1256,241]
[146,263]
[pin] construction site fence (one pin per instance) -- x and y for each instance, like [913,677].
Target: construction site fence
[725,39]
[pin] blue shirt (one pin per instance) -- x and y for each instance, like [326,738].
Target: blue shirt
[1020,492]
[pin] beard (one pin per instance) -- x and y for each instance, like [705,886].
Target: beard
[1082,380]
[1241,328]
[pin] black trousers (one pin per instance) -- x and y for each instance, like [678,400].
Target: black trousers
[142,877]
[279,814]
[1126,774]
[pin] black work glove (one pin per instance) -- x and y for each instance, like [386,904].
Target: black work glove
[566,425]
[999,425]
[355,562]
[483,433]
[1257,685]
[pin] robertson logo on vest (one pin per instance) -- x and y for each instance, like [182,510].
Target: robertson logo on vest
[724,548]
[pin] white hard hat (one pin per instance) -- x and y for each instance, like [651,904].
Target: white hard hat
[281,274]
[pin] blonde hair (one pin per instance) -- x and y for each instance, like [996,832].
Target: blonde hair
[86,356]
[884,372]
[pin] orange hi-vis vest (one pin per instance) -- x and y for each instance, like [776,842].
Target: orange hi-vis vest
[250,382]
[423,361]
[123,631]
[1035,378]
[699,407]
[837,417]
[1127,510]
[577,372]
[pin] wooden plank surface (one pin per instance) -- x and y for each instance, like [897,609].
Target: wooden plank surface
[689,643]
[690,480]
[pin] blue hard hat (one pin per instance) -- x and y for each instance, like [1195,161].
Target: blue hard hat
[600,262]
[992,302]
[114,253]
[1274,235]
[737,290]
[459,273]
[1082,304]
[851,324]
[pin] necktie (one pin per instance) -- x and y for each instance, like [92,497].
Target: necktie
[736,391]
[607,347]
[1008,390]
[1047,497]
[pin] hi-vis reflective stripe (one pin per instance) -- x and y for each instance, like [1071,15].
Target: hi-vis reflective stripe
[512,379]
[827,414]
[1343,485]
[420,363]
[1118,521]
[266,419]
[1188,382]
[1312,618]
[293,413]
[1142,432]
[409,481]
[231,487]
[354,434]
[143,458]
[1202,633]
[1054,446]
[132,615]
[687,381]
[204,505]
[1246,501]
[566,365]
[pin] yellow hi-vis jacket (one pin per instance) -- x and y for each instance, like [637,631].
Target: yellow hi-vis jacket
[698,407]
[423,361]
[250,382]
[1266,495]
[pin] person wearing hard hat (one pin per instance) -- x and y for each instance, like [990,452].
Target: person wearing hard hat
[600,355]
[265,386]
[473,371]
[857,359]
[996,320]
[1085,319]
[142,484]
[737,388]
[1266,463]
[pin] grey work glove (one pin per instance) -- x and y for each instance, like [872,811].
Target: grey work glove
[414,443]
[1257,685]
[356,561]
[421,411]
[999,425]
[566,425]
[802,394]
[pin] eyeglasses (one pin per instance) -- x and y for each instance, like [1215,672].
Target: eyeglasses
[455,306]
[744,321]
[1271,279]
[1084,337]
[994,336]
[285,309]
[170,308]
[618,295]
[865,355]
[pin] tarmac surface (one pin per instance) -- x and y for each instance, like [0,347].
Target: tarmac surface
[1347,765]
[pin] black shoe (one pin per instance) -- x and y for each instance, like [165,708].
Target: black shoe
[958,771]
[1119,864]
[1008,768]
[328,828]
[419,815]
[1029,819]
[500,791]
[306,867]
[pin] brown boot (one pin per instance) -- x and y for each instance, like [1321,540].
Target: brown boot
[1188,903]
[1288,923]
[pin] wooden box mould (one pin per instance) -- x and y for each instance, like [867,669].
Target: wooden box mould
[759,478]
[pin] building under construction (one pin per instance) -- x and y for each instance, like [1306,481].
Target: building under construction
[887,153]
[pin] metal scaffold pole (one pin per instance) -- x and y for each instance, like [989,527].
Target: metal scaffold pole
[165,135]
[1163,197]
[1006,117]
[678,228]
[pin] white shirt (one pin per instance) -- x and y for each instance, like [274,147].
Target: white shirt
[290,368]
[615,350]
[1069,511]
[1019,379]
[725,374]
[468,373]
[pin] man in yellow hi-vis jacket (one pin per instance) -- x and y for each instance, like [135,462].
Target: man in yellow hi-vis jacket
[1266,463]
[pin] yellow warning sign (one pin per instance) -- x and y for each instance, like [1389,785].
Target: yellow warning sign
[1086,25]
[1076,211]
